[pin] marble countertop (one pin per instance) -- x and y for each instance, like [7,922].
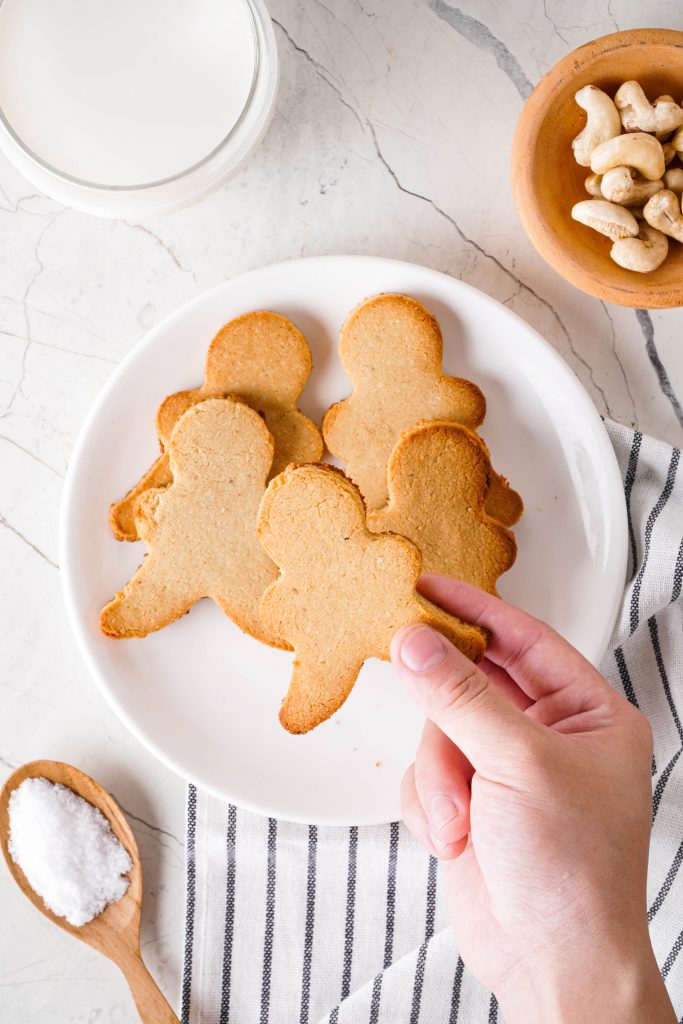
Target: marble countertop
[392,137]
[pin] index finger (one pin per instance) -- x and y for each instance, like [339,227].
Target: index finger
[539,660]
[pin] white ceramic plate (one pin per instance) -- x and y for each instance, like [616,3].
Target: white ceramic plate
[202,696]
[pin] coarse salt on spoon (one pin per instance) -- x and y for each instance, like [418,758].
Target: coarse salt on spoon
[115,931]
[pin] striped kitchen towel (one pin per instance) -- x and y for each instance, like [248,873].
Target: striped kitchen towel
[293,923]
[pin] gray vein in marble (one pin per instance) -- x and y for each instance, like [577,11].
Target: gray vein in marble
[148,824]
[53,316]
[494,259]
[346,28]
[552,21]
[321,71]
[482,37]
[25,304]
[648,329]
[75,352]
[30,696]
[13,529]
[8,764]
[365,123]
[614,20]
[167,249]
[634,415]
[18,204]
[31,455]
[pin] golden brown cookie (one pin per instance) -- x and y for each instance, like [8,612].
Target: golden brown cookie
[391,348]
[201,529]
[439,477]
[261,358]
[342,592]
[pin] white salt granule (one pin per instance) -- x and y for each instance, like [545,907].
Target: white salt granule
[66,849]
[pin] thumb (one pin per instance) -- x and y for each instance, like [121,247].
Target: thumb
[461,700]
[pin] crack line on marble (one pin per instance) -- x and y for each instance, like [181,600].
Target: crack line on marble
[616,355]
[614,20]
[17,208]
[58,348]
[34,963]
[147,824]
[24,303]
[30,696]
[167,249]
[31,455]
[647,327]
[75,352]
[53,316]
[494,259]
[365,123]
[554,23]
[348,29]
[321,71]
[481,36]
[17,533]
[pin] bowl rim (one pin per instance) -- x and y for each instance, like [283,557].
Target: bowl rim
[638,293]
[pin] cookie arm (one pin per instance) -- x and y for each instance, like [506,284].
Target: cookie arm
[502,502]
[147,602]
[471,640]
[122,513]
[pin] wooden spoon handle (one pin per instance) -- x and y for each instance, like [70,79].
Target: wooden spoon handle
[151,1005]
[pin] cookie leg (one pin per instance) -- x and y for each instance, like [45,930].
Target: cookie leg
[122,513]
[315,692]
[148,602]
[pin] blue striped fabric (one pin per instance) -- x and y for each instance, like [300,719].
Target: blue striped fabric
[295,923]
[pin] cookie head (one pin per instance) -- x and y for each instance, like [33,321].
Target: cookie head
[388,335]
[260,357]
[439,478]
[217,442]
[307,512]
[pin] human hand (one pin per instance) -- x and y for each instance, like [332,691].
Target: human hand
[532,783]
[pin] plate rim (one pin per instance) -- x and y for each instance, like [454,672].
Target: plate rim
[618,525]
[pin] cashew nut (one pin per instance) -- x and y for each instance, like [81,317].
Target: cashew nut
[639,115]
[677,141]
[592,184]
[602,123]
[673,180]
[607,218]
[669,152]
[637,150]
[644,253]
[663,211]
[622,185]
[664,134]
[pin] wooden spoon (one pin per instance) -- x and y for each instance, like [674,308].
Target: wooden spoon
[116,931]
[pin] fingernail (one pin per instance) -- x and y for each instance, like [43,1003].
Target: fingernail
[422,650]
[442,810]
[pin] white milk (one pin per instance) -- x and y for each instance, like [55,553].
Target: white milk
[124,92]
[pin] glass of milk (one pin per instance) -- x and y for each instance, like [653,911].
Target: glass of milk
[126,108]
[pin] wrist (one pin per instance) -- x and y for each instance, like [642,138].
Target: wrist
[597,982]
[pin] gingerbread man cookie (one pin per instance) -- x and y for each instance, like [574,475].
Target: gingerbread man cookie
[201,529]
[343,591]
[391,348]
[439,476]
[261,358]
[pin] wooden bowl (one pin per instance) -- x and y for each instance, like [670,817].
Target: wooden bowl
[546,180]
